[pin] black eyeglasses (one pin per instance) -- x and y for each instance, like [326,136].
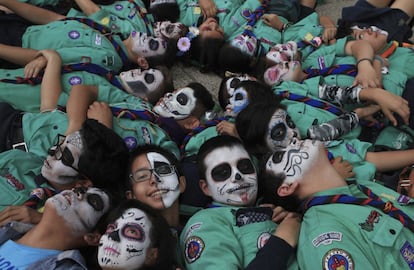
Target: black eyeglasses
[143,175]
[65,155]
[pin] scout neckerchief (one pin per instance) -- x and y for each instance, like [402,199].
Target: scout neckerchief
[88,67]
[344,69]
[143,14]
[40,194]
[390,50]
[106,32]
[372,200]
[252,18]
[197,130]
[310,40]
[133,114]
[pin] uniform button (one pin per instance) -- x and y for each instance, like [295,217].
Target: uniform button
[55,127]
[392,231]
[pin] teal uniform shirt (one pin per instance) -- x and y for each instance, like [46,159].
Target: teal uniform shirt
[41,2]
[346,236]
[76,43]
[121,17]
[401,60]
[17,172]
[222,238]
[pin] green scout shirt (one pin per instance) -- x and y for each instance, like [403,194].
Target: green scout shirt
[121,17]
[76,43]
[401,60]
[346,236]
[17,172]
[212,239]
[41,2]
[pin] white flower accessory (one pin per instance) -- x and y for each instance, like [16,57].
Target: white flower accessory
[184,43]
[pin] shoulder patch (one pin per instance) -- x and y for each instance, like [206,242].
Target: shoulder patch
[326,238]
[336,259]
[194,246]
[407,251]
[262,239]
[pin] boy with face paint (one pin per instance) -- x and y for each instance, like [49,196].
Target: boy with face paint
[232,230]
[340,232]
[94,155]
[155,178]
[66,225]
[136,237]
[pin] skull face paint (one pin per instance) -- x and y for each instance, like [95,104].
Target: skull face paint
[294,160]
[178,104]
[285,71]
[126,241]
[245,44]
[141,83]
[167,29]
[167,180]
[231,176]
[147,46]
[282,53]
[281,130]
[237,102]
[80,207]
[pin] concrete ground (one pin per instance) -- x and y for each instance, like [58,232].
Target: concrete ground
[183,74]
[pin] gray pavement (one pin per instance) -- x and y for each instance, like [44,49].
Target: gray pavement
[183,74]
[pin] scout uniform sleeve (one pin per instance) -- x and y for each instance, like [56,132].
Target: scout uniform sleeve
[208,242]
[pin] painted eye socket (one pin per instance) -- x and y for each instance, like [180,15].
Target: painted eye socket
[238,96]
[134,232]
[245,166]
[278,156]
[149,78]
[221,172]
[278,132]
[110,228]
[290,122]
[182,99]
[95,201]
[153,44]
[234,82]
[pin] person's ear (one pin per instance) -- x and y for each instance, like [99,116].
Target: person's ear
[92,238]
[183,183]
[84,183]
[204,187]
[191,122]
[286,189]
[142,62]
[129,194]
[152,256]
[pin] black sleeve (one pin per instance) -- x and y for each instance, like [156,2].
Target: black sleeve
[273,256]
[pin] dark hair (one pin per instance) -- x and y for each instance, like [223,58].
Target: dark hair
[167,85]
[167,58]
[205,52]
[144,149]
[104,157]
[165,12]
[270,182]
[234,60]
[252,124]
[211,144]
[344,28]
[204,98]
[160,234]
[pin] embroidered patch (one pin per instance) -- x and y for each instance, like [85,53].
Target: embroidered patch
[246,13]
[402,199]
[74,34]
[192,228]
[132,13]
[262,239]
[75,80]
[98,40]
[407,251]
[327,238]
[39,193]
[350,148]
[130,142]
[194,246]
[105,21]
[368,225]
[337,259]
[118,7]
[13,181]
[321,62]
[245,216]
[110,61]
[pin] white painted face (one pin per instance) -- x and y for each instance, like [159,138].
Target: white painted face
[178,104]
[147,46]
[167,178]
[126,241]
[61,164]
[237,102]
[285,71]
[231,176]
[282,52]
[141,83]
[280,130]
[81,208]
[294,160]
[167,29]
[233,82]
[245,44]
